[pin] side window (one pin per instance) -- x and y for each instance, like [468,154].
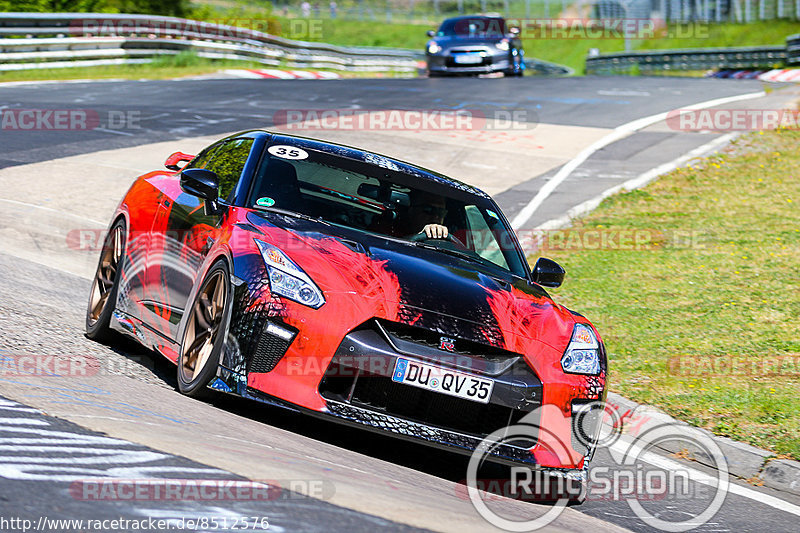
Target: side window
[202,158]
[482,239]
[227,160]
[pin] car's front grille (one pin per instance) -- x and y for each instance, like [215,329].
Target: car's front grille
[381,394]
[360,375]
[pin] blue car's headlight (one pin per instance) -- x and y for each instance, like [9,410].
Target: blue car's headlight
[583,353]
[287,279]
[434,48]
[502,45]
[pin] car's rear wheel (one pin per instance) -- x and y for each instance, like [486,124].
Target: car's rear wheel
[204,333]
[103,296]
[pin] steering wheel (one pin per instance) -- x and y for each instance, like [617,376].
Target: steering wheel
[422,236]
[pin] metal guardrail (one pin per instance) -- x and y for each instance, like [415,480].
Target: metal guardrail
[547,68]
[41,40]
[737,58]
[757,57]
[793,49]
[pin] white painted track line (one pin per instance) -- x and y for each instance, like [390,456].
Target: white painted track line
[697,476]
[634,183]
[620,132]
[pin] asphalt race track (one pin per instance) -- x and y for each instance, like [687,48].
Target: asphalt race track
[124,419]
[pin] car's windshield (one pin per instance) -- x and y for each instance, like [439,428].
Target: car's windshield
[383,201]
[473,27]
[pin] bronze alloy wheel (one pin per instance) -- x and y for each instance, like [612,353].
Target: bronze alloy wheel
[106,281]
[203,336]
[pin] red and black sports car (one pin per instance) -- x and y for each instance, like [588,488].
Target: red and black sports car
[342,283]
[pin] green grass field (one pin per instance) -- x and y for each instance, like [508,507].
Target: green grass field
[355,32]
[570,52]
[703,323]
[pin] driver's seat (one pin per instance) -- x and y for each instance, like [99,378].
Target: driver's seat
[279,182]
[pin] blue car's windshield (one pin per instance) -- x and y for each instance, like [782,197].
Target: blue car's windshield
[473,27]
[373,198]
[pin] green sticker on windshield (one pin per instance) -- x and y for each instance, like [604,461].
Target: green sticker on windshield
[492,214]
[265,202]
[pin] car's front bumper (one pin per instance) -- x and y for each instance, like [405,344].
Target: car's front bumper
[445,63]
[357,389]
[440,68]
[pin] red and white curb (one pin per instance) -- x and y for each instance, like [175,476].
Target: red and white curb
[781,74]
[274,74]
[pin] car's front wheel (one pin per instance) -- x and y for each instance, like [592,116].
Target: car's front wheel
[105,286]
[204,332]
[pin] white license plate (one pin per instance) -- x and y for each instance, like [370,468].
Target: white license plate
[468,59]
[442,380]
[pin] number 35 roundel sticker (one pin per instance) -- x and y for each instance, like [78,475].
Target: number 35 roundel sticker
[287,152]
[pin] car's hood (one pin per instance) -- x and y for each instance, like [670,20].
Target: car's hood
[431,287]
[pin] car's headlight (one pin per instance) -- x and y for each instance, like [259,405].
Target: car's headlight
[287,279]
[501,45]
[583,353]
[434,48]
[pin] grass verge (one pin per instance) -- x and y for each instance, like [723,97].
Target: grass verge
[702,323]
[572,52]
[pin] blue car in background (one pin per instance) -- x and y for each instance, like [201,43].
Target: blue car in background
[476,44]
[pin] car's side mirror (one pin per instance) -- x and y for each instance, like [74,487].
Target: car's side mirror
[204,184]
[430,33]
[548,273]
[173,161]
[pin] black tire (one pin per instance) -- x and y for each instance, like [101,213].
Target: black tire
[209,311]
[103,295]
